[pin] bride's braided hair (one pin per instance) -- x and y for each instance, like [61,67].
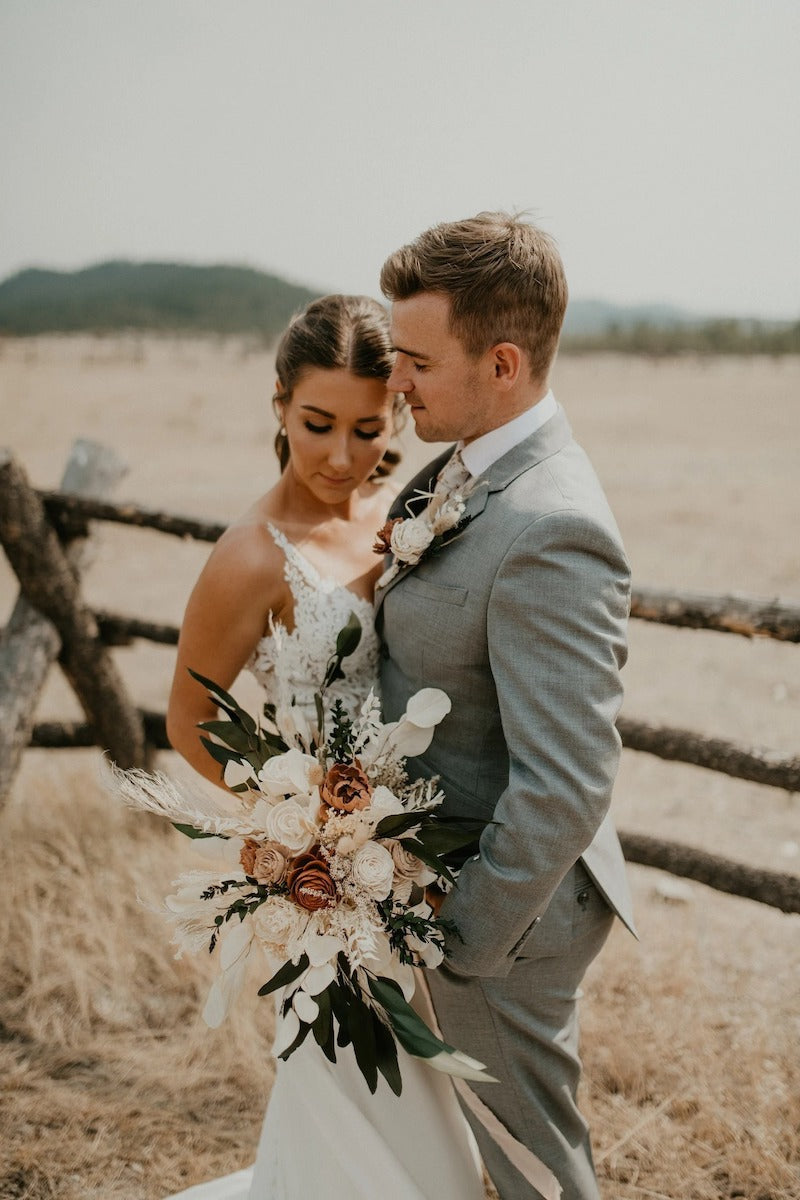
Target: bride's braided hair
[333,332]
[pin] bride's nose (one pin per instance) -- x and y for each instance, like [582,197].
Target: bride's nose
[339,454]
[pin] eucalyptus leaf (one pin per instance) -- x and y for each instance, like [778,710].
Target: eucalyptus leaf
[424,855]
[442,837]
[322,1026]
[287,974]
[220,754]
[363,1035]
[349,637]
[339,1005]
[397,823]
[410,1030]
[226,702]
[231,734]
[386,1052]
[298,1041]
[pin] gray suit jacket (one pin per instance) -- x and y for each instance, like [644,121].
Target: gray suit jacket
[521,618]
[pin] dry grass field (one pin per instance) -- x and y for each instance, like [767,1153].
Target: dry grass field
[110,1087]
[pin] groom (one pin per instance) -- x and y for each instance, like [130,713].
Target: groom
[520,616]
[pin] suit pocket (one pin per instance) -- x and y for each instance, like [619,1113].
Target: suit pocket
[576,909]
[440,593]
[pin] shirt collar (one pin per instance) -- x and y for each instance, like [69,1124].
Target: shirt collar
[487,449]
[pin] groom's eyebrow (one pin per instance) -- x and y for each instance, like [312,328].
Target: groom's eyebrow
[410,353]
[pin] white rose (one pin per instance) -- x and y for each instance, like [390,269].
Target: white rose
[290,825]
[411,538]
[373,870]
[277,922]
[289,774]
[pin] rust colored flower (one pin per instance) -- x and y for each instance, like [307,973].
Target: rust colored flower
[247,855]
[345,788]
[310,883]
[383,539]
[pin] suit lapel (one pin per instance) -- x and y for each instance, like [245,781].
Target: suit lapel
[544,442]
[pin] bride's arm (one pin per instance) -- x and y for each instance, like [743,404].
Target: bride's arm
[227,613]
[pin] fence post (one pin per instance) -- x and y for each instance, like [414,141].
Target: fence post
[30,642]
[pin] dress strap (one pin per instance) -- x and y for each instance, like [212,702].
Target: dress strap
[297,565]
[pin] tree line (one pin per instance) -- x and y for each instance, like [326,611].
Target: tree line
[181,298]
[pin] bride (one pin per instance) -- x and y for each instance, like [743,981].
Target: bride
[288,574]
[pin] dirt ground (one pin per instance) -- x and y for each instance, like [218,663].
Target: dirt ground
[109,1086]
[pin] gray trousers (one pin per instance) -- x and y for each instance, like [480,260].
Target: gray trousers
[525,1029]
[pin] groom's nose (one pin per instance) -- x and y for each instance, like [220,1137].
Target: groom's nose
[400,378]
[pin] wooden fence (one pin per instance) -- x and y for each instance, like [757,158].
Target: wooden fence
[45,536]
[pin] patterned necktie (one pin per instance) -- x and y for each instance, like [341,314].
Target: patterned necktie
[453,476]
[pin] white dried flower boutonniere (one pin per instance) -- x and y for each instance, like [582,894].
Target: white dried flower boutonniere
[410,539]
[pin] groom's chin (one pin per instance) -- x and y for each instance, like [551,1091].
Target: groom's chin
[424,433]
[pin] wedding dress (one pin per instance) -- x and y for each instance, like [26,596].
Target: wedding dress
[324,1133]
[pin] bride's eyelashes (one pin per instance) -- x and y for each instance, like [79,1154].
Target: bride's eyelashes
[365,435]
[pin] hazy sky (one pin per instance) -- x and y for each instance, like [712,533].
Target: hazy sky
[657,140]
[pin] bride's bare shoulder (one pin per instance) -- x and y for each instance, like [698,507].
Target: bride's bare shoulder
[246,553]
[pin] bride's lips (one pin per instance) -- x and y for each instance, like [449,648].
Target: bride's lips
[335,482]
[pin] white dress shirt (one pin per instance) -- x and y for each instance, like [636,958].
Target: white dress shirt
[479,455]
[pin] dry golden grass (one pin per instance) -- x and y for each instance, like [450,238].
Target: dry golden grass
[110,1086]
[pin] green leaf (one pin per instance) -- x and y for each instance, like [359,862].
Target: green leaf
[397,823]
[231,734]
[430,860]
[339,999]
[363,1035]
[220,754]
[410,1030]
[349,637]
[226,702]
[322,1026]
[298,1041]
[442,837]
[287,974]
[386,1052]
[190,831]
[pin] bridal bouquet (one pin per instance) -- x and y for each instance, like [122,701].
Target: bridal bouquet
[331,847]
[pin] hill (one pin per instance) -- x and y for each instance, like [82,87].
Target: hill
[163,296]
[176,297]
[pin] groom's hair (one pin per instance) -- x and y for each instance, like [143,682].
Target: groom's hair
[504,277]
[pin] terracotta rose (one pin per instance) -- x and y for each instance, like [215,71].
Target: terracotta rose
[345,788]
[383,538]
[247,855]
[310,883]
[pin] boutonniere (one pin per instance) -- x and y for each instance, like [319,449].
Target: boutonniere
[412,539]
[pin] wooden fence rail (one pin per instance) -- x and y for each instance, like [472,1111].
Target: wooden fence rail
[44,534]
[743,615]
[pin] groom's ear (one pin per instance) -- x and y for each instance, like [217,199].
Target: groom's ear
[507,363]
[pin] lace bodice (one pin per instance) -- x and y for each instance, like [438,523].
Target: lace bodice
[290,666]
